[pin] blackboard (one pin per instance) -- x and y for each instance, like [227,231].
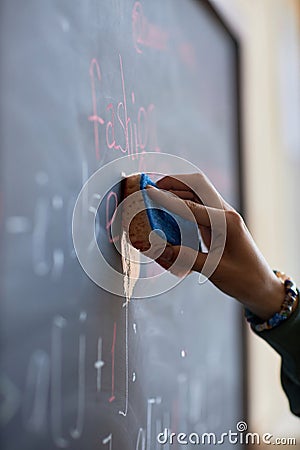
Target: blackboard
[78,369]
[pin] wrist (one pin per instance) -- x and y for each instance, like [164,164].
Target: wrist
[288,306]
[269,300]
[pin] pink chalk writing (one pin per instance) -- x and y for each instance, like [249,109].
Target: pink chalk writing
[95,118]
[187,54]
[145,33]
[122,132]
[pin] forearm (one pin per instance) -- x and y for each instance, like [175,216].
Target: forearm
[242,272]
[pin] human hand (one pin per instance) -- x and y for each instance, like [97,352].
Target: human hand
[242,272]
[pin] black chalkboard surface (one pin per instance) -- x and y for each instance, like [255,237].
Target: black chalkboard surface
[83,83]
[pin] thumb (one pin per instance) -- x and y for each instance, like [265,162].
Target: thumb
[181,260]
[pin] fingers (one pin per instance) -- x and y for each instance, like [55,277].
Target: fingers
[181,260]
[198,184]
[185,195]
[174,183]
[183,208]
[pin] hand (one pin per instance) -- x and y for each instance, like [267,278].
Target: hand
[242,272]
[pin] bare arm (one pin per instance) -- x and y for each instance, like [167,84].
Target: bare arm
[242,272]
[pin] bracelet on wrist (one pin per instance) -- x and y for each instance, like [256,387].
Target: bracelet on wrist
[286,310]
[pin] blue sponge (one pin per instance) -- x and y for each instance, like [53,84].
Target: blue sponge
[170,224]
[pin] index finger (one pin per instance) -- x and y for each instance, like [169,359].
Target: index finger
[173,183]
[198,183]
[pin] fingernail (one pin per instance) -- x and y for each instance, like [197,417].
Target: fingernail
[167,254]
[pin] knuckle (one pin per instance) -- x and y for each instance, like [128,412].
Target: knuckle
[234,218]
[191,205]
[200,176]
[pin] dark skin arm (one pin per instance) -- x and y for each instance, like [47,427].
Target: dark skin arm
[242,272]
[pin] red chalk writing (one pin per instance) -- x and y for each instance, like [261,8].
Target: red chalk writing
[95,118]
[118,128]
[187,54]
[145,33]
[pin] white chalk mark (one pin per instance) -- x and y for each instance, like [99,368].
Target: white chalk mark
[133,377]
[36,392]
[57,202]
[130,264]
[167,425]
[40,265]
[77,431]
[134,327]
[124,412]
[214,369]
[17,225]
[95,200]
[91,245]
[83,316]
[97,196]
[107,440]
[58,263]
[65,24]
[93,210]
[10,400]
[197,401]
[41,178]
[182,380]
[183,353]
[59,323]
[99,364]
[69,216]
[128,289]
[150,403]
[141,440]
[158,429]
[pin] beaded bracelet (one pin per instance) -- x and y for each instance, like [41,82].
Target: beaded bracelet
[289,301]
